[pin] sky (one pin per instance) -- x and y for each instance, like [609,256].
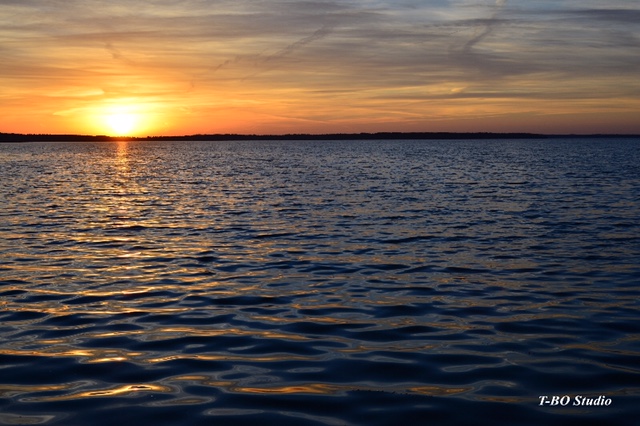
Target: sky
[173,67]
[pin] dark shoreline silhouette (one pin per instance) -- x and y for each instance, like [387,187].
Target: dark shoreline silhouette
[19,137]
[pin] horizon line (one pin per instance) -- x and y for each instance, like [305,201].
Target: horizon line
[70,137]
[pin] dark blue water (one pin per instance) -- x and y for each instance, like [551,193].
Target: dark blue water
[320,283]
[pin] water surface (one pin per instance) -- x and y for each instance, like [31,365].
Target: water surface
[319,282]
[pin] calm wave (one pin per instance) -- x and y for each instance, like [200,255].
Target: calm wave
[332,282]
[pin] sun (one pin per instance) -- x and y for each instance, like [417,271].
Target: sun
[122,124]
[123,119]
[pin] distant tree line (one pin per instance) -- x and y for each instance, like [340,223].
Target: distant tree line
[353,136]
[18,137]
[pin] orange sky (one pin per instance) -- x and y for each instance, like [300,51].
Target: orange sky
[201,66]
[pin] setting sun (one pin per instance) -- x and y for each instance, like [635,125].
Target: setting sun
[122,124]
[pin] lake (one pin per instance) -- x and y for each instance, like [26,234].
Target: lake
[320,282]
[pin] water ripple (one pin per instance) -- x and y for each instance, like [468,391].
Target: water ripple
[361,282]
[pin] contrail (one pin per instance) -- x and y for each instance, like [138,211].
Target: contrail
[490,24]
[117,54]
[317,35]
